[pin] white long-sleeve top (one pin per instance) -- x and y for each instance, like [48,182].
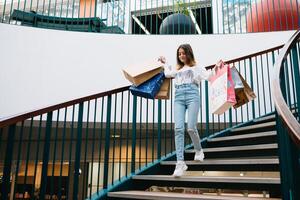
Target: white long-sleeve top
[187,74]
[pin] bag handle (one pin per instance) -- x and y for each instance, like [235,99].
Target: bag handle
[220,64]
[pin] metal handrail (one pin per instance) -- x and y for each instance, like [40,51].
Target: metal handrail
[26,115]
[282,108]
[23,116]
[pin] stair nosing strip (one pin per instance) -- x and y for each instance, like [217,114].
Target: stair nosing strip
[268,124]
[228,162]
[172,195]
[243,136]
[264,118]
[238,148]
[219,179]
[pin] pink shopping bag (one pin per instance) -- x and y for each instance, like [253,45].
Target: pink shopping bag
[221,91]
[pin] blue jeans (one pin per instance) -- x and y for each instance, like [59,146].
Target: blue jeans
[186,98]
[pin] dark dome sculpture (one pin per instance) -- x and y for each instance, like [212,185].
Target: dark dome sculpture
[177,24]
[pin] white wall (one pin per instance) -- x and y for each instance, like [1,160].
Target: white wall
[39,67]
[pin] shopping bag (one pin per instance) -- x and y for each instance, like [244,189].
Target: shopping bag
[238,84]
[142,72]
[164,92]
[150,88]
[221,91]
[243,95]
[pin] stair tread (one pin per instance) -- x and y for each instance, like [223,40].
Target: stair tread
[238,161]
[243,136]
[237,148]
[215,179]
[264,118]
[134,194]
[268,124]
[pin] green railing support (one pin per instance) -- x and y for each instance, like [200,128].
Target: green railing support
[121,136]
[140,132]
[230,117]
[133,139]
[100,146]
[85,169]
[78,152]
[251,84]
[127,132]
[159,130]
[37,152]
[54,156]
[8,162]
[206,109]
[46,156]
[62,154]
[295,63]
[93,144]
[19,153]
[107,142]
[71,148]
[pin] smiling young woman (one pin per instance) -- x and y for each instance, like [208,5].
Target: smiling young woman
[188,76]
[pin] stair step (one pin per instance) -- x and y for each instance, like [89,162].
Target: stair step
[213,179]
[172,195]
[243,136]
[253,127]
[266,118]
[238,161]
[261,163]
[238,148]
[270,117]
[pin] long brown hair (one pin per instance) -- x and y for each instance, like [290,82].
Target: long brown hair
[189,56]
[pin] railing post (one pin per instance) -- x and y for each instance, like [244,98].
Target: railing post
[159,130]
[8,161]
[78,152]
[230,117]
[107,142]
[133,143]
[251,83]
[297,76]
[207,109]
[46,155]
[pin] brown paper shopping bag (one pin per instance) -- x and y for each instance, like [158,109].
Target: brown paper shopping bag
[164,92]
[141,72]
[243,95]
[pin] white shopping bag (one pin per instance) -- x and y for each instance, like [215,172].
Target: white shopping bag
[221,91]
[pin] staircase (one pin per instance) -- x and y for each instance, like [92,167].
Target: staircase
[244,162]
[99,157]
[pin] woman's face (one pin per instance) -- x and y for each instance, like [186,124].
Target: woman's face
[181,55]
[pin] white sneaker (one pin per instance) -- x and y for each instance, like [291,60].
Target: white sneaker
[199,155]
[180,169]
